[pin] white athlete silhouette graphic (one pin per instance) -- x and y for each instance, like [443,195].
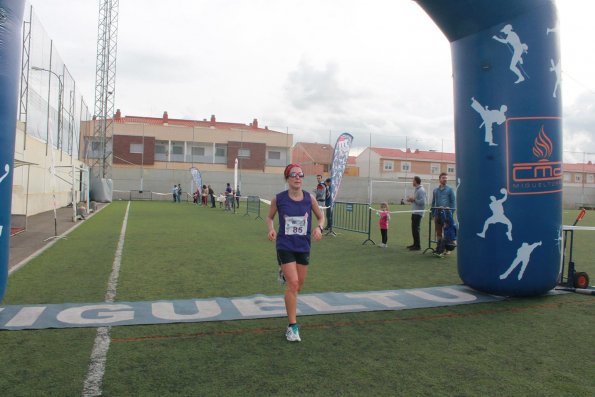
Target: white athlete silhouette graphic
[6,172]
[558,70]
[518,49]
[498,216]
[489,117]
[553,30]
[523,255]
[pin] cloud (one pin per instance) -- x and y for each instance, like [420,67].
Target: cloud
[308,87]
[579,125]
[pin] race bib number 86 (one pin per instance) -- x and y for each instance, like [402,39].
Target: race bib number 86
[296,226]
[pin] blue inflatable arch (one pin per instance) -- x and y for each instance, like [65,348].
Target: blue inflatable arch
[508,132]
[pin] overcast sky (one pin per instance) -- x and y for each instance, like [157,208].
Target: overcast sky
[315,68]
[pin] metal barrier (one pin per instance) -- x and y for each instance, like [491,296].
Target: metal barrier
[253,206]
[353,217]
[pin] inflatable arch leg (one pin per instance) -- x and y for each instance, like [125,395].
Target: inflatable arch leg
[508,131]
[11,27]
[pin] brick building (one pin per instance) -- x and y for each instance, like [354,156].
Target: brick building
[211,145]
[316,158]
[386,163]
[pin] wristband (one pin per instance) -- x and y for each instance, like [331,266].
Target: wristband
[321,229]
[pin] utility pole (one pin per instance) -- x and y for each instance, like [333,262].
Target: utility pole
[105,89]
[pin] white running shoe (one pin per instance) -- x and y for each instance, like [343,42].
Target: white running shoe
[293,333]
[281,278]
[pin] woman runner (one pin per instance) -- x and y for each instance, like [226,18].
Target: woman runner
[295,208]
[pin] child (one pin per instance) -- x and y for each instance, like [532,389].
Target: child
[449,240]
[383,223]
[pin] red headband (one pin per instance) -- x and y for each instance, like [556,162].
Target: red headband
[288,169]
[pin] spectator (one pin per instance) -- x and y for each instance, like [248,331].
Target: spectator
[328,204]
[449,242]
[174,192]
[443,197]
[205,195]
[211,195]
[228,197]
[418,203]
[320,191]
[383,223]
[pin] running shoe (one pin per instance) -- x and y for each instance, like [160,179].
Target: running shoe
[281,277]
[293,333]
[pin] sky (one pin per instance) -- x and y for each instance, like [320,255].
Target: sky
[379,69]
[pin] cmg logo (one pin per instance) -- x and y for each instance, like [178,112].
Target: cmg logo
[533,155]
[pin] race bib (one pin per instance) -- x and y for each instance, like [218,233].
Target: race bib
[296,225]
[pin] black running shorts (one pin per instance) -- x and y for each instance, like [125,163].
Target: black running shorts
[301,258]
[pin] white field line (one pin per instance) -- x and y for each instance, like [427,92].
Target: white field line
[94,379]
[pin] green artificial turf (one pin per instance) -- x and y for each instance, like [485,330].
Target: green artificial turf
[539,346]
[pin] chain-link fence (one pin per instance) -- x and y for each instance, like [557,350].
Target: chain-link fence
[51,106]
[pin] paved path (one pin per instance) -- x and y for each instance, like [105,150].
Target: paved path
[39,228]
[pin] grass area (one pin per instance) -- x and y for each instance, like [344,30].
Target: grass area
[537,346]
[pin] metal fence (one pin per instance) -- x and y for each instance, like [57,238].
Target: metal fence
[353,217]
[253,206]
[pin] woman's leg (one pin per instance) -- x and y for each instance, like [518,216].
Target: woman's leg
[291,290]
[295,276]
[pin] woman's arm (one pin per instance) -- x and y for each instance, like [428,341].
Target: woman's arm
[317,233]
[272,234]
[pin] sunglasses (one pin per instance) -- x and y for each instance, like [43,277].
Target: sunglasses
[296,174]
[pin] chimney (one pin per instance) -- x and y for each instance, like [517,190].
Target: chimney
[408,150]
[255,123]
[213,120]
[165,117]
[118,115]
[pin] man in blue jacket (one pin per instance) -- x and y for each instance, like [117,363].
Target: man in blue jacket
[443,197]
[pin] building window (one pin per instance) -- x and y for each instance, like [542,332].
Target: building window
[220,151]
[274,155]
[177,152]
[405,166]
[136,148]
[388,165]
[198,151]
[244,153]
[95,146]
[450,169]
[161,150]
[590,178]
[566,177]
[578,178]
[435,168]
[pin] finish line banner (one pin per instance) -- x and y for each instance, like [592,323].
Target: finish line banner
[20,317]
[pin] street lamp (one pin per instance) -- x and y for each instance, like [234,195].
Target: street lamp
[60,93]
